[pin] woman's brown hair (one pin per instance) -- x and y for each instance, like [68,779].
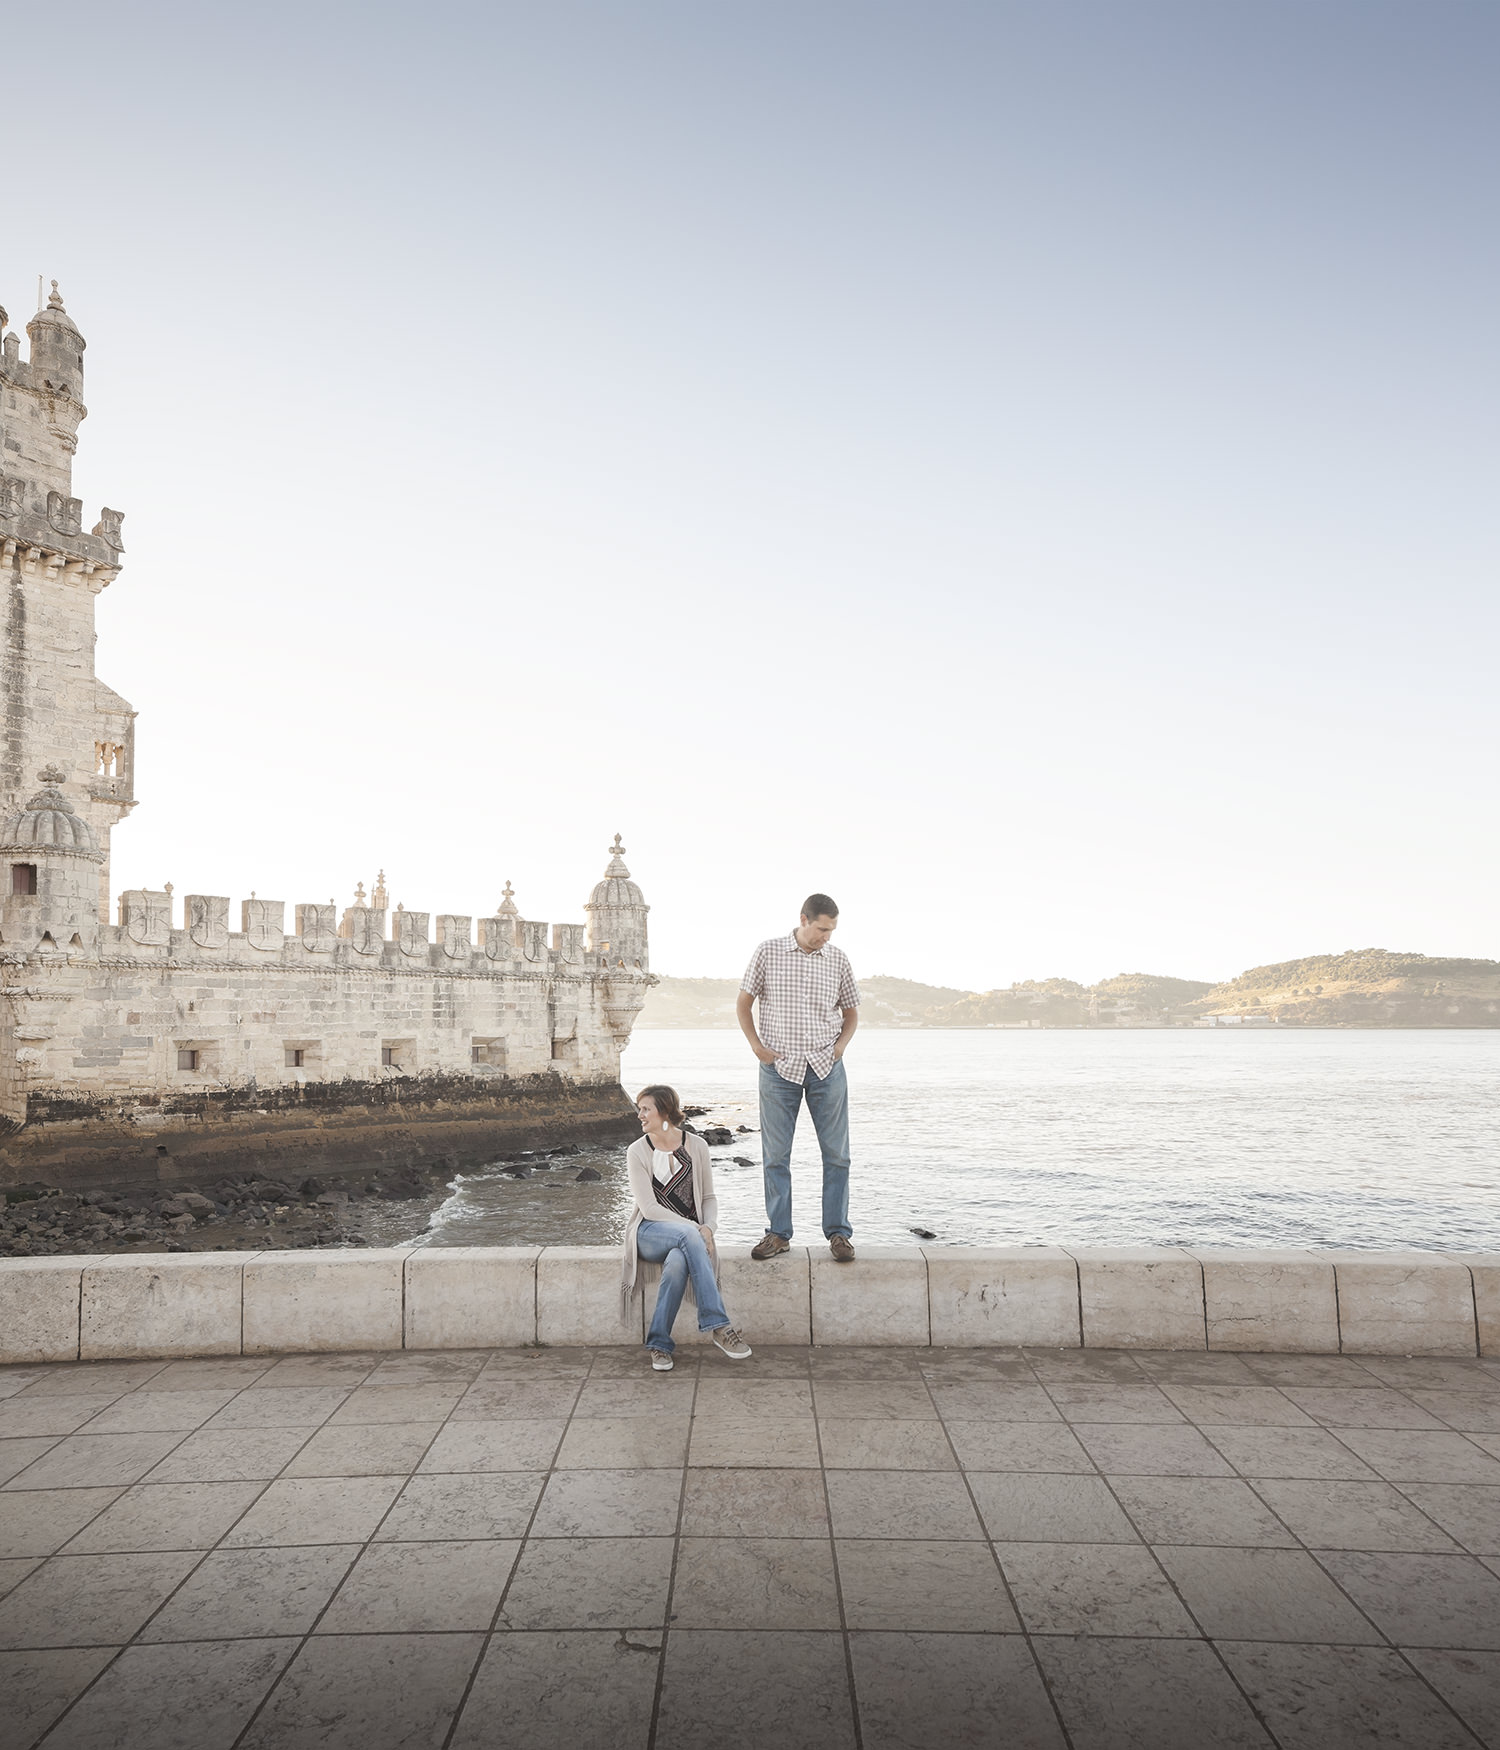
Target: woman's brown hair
[665,1100]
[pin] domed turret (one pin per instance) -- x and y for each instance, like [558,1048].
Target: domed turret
[50,864]
[617,917]
[56,345]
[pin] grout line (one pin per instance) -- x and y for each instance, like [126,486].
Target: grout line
[838,1579]
[666,1626]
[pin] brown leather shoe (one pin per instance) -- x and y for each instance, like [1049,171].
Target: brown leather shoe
[771,1246]
[842,1249]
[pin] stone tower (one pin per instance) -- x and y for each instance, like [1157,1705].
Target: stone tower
[617,918]
[59,717]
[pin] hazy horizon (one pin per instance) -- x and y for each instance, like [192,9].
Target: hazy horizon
[1027,470]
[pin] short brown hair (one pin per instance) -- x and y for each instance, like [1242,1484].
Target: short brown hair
[665,1101]
[819,905]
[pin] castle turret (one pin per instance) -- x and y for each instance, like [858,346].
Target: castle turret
[617,918]
[50,864]
[56,370]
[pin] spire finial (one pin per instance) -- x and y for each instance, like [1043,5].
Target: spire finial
[53,774]
[508,903]
[359,896]
[54,298]
[617,870]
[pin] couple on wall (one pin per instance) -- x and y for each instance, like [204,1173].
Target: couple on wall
[809,1008]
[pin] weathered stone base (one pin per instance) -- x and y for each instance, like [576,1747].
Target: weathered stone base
[83,1143]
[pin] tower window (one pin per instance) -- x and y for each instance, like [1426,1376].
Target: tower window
[23,877]
[295,1056]
[187,1057]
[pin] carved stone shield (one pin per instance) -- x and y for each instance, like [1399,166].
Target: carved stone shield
[262,920]
[318,926]
[12,496]
[499,938]
[411,932]
[534,940]
[453,933]
[568,940]
[65,514]
[366,930]
[108,528]
[208,920]
[147,917]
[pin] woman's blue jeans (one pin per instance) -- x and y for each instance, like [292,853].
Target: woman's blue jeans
[682,1252]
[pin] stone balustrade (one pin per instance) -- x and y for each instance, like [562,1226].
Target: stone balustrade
[1169,1297]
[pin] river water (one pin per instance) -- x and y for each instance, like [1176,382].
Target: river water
[1368,1139]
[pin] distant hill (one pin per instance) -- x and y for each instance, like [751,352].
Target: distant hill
[1369,987]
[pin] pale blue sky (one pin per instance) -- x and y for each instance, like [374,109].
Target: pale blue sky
[1027,469]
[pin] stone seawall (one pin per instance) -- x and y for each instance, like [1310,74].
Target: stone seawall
[1360,1303]
[83,1142]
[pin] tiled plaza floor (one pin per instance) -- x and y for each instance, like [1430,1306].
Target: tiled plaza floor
[870,1548]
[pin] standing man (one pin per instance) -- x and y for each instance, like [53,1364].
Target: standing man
[809,1008]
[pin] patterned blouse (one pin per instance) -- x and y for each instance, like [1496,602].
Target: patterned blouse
[676,1191]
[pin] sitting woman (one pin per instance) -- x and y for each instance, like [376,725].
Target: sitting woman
[672,1224]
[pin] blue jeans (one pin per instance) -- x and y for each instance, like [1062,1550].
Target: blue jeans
[828,1101]
[681,1252]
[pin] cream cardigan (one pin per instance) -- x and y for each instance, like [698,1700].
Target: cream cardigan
[644,1206]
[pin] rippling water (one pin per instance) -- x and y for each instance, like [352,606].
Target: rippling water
[1083,1138]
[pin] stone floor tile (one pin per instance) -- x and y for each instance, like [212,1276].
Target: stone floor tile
[754,1397]
[398,1403]
[1469,1512]
[28,1417]
[39,1684]
[550,1691]
[1421,1600]
[615,1503]
[230,1455]
[41,1522]
[499,1397]
[1331,1370]
[345,1371]
[974,1366]
[1202,1510]
[237,1594]
[630,1361]
[910,1585]
[749,1691]
[1033,1446]
[353,1692]
[903,1503]
[1470,1684]
[870,1366]
[1289,1452]
[165,1516]
[1147,1695]
[744,1503]
[919,1690]
[1417,1456]
[589,1582]
[657,1394]
[1001,1402]
[380,1449]
[1020,1508]
[1471,1412]
[14,1569]
[772,1362]
[624,1443]
[486,1446]
[316,1510]
[151,1411]
[539,1363]
[429,1367]
[742,1441]
[95,1461]
[1343,1698]
[265,1406]
[495,1504]
[885,1445]
[89,1601]
[1489,1443]
[1113,1403]
[890,1400]
[1377,1408]
[15,1455]
[212,1373]
[755,1583]
[1092,1589]
[1127,1449]
[1432,1373]
[422,1588]
[1263,1595]
[184,1696]
[1085,1367]
[1193,1367]
[1243,1406]
[17,1376]
[96,1376]
[1373,1516]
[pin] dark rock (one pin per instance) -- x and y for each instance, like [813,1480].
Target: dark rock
[922,1233]
[519,1173]
[694,1111]
[743,1161]
[586,1175]
[745,1129]
[716,1136]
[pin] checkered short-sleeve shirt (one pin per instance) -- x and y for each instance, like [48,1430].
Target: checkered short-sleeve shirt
[801,996]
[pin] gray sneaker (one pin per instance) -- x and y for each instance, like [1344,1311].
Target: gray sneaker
[661,1362]
[732,1343]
